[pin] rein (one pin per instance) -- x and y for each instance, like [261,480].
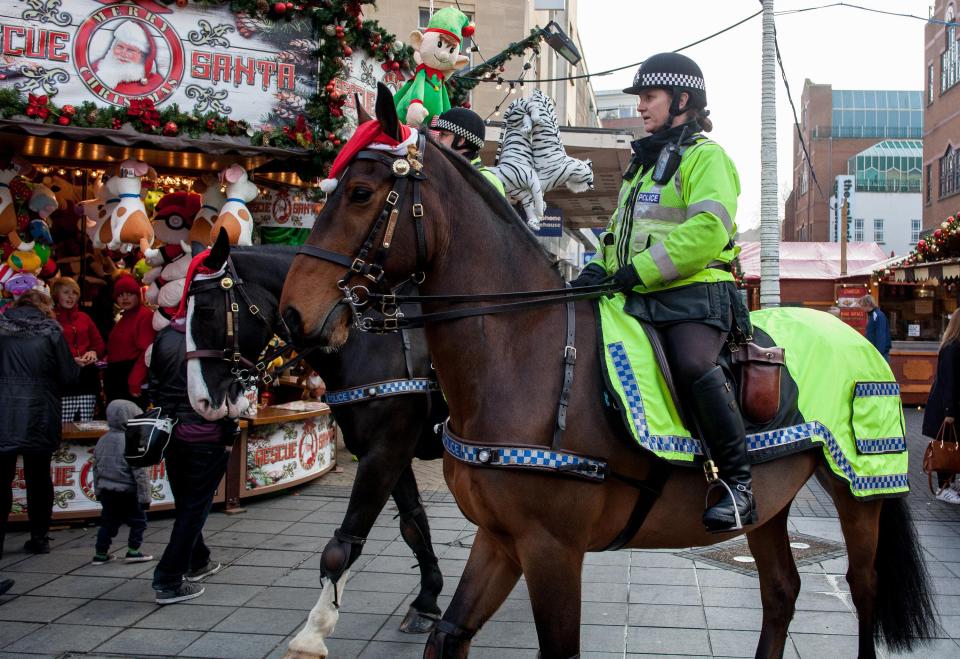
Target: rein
[361,298]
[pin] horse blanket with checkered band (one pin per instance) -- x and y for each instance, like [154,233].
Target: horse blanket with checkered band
[837,392]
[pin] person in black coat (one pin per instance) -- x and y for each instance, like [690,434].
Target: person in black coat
[944,400]
[35,367]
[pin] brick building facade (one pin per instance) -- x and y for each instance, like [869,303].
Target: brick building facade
[941,124]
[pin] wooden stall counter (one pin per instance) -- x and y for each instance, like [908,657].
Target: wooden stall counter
[279,447]
[914,364]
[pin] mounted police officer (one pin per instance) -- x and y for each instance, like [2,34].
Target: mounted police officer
[669,247]
[463,131]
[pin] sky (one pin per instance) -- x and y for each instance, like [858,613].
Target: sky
[842,46]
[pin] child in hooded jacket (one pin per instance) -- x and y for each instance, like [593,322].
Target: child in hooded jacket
[123,492]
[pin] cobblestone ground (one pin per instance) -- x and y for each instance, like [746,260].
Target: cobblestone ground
[636,603]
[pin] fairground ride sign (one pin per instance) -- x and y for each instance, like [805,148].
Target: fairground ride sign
[204,58]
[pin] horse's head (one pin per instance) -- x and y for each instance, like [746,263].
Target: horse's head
[215,333]
[365,238]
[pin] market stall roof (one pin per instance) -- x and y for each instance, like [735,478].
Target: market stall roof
[74,146]
[920,272]
[810,260]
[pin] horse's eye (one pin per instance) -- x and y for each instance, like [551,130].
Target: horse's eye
[360,195]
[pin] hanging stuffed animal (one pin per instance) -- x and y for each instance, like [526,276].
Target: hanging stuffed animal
[515,166]
[437,53]
[207,185]
[129,224]
[10,170]
[96,214]
[554,166]
[234,216]
[172,225]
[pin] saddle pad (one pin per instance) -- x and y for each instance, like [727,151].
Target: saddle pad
[848,399]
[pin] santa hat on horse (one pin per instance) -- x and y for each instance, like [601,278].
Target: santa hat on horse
[369,135]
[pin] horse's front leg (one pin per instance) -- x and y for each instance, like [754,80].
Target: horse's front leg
[489,576]
[377,475]
[415,529]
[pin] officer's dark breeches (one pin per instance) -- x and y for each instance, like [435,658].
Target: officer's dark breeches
[692,350]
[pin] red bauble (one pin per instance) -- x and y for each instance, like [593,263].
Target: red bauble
[211,124]
[68,110]
[280,7]
[336,142]
[289,6]
[116,123]
[348,51]
[938,233]
[181,3]
[395,65]
[170,128]
[466,104]
[922,244]
[63,120]
[330,87]
[338,31]
[334,95]
[331,136]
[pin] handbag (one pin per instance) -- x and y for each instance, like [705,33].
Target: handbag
[146,438]
[942,454]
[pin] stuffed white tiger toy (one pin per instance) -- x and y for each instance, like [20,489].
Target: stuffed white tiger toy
[515,166]
[554,166]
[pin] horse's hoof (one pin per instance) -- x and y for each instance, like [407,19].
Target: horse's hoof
[418,623]
[297,654]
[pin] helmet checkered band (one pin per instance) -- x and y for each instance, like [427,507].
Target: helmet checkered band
[669,80]
[449,126]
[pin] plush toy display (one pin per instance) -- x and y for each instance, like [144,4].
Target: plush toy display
[10,170]
[207,185]
[96,214]
[129,224]
[172,225]
[437,53]
[235,217]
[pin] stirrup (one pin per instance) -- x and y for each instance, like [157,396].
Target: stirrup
[738,521]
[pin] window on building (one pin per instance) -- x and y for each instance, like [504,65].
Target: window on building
[804,179]
[930,84]
[929,190]
[858,230]
[878,230]
[950,172]
[950,58]
[915,227]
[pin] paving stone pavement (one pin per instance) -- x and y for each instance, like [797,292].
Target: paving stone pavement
[636,603]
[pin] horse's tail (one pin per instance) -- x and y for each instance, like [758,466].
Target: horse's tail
[905,612]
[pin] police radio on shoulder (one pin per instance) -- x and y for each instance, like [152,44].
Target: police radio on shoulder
[669,159]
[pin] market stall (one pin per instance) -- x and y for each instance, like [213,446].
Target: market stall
[184,115]
[280,447]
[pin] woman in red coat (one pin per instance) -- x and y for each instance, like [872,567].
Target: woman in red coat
[128,341]
[86,345]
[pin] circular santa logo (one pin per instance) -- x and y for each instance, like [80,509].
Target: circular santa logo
[281,208]
[125,52]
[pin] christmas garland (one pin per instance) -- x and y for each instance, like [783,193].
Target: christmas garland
[943,243]
[459,86]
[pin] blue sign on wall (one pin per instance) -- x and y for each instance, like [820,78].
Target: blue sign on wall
[587,257]
[551,226]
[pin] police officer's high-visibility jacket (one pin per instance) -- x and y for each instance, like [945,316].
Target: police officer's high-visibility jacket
[490,176]
[672,232]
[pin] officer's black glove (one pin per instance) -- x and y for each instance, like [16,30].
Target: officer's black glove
[592,275]
[626,278]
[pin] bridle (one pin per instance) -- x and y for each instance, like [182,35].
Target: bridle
[246,372]
[370,260]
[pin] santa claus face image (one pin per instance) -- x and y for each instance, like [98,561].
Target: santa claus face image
[129,64]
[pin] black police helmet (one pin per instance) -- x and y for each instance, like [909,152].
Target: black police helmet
[465,124]
[671,71]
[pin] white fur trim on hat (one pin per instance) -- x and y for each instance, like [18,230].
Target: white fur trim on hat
[130,32]
[328,185]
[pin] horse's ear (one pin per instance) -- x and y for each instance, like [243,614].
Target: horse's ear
[387,112]
[362,114]
[219,252]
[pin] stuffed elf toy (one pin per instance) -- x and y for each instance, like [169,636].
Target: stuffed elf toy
[437,53]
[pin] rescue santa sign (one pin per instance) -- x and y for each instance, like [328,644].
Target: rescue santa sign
[204,58]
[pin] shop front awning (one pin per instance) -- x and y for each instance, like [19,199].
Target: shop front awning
[921,272]
[72,146]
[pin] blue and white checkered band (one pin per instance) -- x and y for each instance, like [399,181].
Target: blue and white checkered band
[523,456]
[668,80]
[883,445]
[380,390]
[863,389]
[450,127]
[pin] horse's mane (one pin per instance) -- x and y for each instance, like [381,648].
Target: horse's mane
[498,203]
[272,264]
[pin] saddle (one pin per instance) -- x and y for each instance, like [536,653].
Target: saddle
[754,369]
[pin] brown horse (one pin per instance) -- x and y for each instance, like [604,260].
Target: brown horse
[501,375]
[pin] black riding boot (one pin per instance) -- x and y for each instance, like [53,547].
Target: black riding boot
[720,422]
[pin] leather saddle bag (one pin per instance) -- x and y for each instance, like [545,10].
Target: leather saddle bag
[759,381]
